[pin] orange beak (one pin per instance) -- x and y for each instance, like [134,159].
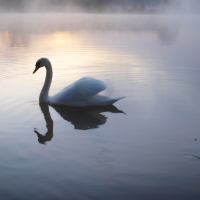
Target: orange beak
[36,68]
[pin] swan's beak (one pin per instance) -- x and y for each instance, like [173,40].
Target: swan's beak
[36,68]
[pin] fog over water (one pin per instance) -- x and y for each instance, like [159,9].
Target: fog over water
[101,6]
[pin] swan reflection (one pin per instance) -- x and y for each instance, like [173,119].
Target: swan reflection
[81,118]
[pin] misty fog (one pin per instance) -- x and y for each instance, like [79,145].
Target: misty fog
[100,6]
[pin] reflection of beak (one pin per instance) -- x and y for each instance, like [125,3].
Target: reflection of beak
[36,68]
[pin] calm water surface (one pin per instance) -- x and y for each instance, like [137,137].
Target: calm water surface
[146,147]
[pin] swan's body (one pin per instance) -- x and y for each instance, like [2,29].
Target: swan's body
[82,93]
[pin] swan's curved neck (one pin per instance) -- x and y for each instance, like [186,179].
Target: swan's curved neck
[44,94]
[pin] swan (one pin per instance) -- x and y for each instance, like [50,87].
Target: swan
[81,93]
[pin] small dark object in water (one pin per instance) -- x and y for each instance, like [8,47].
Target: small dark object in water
[195,139]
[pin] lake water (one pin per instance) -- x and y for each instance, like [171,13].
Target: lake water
[146,147]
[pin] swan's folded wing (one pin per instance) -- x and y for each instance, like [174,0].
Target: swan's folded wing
[79,91]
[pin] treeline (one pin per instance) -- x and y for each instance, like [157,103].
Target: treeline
[122,5]
[84,5]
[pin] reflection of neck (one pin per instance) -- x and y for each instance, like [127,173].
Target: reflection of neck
[49,124]
[47,83]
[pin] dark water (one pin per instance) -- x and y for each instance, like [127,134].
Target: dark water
[146,146]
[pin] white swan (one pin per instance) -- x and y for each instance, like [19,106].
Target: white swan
[82,93]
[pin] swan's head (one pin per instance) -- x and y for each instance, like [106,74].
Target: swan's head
[41,63]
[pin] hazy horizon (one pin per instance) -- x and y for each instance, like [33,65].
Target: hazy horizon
[99,6]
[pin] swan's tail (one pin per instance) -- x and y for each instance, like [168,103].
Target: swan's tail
[112,100]
[100,100]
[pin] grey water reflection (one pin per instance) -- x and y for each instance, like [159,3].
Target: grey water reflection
[81,118]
